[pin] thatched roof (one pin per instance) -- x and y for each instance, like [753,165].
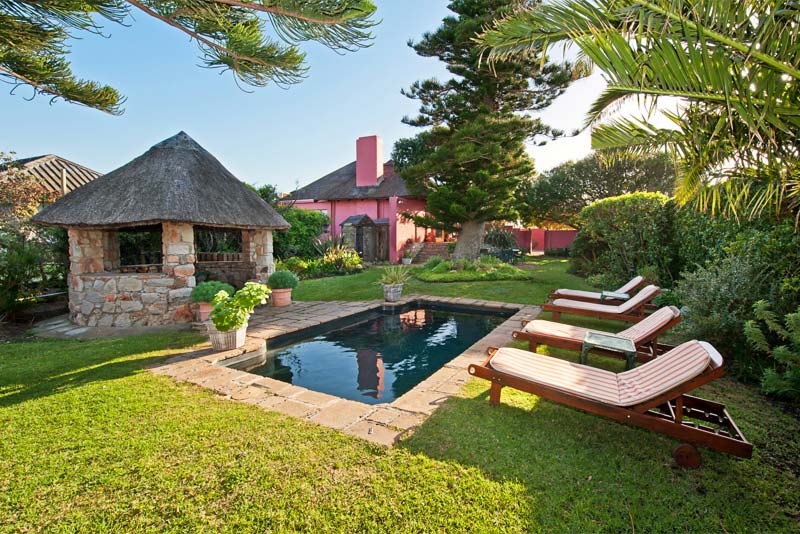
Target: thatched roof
[176,180]
[341,185]
[49,170]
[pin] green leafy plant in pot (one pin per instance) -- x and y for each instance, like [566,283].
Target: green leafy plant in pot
[204,293]
[282,282]
[392,281]
[229,317]
[407,257]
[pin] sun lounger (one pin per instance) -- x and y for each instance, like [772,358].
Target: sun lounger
[652,396]
[594,296]
[632,310]
[644,334]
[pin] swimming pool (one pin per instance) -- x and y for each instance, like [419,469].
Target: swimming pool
[377,356]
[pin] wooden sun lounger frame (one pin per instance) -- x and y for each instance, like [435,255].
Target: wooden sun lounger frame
[613,302]
[664,414]
[633,315]
[646,350]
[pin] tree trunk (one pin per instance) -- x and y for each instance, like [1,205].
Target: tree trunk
[470,239]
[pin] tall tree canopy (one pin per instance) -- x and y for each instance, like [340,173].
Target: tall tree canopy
[736,64]
[472,159]
[558,195]
[232,35]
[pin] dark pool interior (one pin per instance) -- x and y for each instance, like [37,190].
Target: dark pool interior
[374,357]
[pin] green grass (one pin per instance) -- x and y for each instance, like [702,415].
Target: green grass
[546,275]
[91,442]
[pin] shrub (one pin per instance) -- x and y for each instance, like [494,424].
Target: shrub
[782,378]
[307,226]
[717,301]
[451,246]
[500,238]
[442,267]
[232,312]
[206,291]
[19,274]
[338,260]
[557,252]
[294,264]
[395,275]
[622,235]
[433,262]
[283,280]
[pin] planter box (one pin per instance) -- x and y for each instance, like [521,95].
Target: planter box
[407,261]
[392,292]
[230,340]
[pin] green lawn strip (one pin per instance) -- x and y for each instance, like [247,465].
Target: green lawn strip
[92,442]
[546,276]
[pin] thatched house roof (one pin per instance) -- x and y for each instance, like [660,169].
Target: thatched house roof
[177,180]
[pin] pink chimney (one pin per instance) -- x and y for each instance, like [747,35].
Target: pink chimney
[369,160]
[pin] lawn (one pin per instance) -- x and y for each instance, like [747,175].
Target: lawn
[548,274]
[93,442]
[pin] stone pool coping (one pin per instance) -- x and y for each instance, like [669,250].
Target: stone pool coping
[381,423]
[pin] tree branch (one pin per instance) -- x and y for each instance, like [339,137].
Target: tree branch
[277,11]
[35,85]
[194,35]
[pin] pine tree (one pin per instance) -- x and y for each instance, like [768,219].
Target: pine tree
[472,159]
[232,35]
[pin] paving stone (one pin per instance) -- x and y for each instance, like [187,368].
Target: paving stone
[248,393]
[316,398]
[276,387]
[420,401]
[373,432]
[408,420]
[293,408]
[384,416]
[341,414]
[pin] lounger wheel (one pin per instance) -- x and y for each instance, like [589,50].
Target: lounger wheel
[686,455]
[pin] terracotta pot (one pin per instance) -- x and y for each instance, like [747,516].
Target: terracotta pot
[392,292]
[202,310]
[233,339]
[281,297]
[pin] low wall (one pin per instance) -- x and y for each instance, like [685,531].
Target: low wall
[129,299]
[235,273]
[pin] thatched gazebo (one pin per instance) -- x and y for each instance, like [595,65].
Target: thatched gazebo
[161,199]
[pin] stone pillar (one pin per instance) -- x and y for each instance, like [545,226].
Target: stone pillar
[265,263]
[177,243]
[111,258]
[85,256]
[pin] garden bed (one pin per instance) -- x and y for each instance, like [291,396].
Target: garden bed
[487,269]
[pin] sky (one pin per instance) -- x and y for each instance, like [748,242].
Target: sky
[267,135]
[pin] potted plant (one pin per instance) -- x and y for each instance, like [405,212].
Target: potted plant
[407,257]
[230,315]
[281,283]
[203,294]
[392,281]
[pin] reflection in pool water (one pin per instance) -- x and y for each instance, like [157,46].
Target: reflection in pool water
[381,356]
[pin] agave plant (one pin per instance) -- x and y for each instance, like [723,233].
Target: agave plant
[734,65]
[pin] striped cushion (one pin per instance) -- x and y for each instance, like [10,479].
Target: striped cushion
[642,297]
[630,286]
[679,365]
[650,325]
[581,380]
[549,328]
[577,293]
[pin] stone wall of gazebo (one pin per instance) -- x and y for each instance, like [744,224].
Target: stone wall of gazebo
[101,295]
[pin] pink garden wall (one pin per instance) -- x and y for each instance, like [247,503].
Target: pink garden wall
[541,239]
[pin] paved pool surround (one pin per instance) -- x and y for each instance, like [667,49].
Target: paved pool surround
[382,423]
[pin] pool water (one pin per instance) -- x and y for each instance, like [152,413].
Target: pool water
[379,356]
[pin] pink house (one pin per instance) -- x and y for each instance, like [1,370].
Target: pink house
[366,198]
